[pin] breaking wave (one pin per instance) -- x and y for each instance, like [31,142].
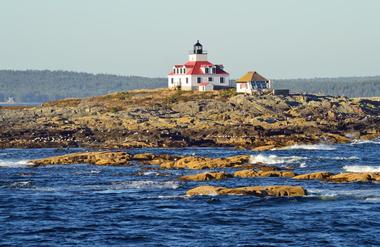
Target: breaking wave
[303,165]
[10,163]
[331,194]
[309,147]
[145,184]
[273,159]
[342,158]
[357,168]
[359,142]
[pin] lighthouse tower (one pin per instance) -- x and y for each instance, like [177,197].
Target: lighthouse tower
[198,73]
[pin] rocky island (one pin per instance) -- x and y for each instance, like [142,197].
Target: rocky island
[169,118]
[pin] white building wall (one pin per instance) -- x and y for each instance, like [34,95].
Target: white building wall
[197,57]
[215,79]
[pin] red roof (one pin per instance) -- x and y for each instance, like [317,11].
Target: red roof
[194,68]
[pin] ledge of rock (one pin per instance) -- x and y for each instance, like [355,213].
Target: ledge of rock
[206,176]
[192,162]
[314,175]
[251,173]
[276,191]
[363,177]
[95,158]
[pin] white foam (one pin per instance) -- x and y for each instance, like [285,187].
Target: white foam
[358,168]
[12,163]
[362,194]
[273,159]
[145,184]
[359,142]
[344,158]
[150,173]
[309,147]
[21,184]
[303,165]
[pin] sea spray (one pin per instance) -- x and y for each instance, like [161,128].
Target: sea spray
[12,163]
[273,159]
[309,147]
[358,168]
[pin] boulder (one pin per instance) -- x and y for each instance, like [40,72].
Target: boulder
[192,162]
[251,173]
[143,156]
[95,158]
[206,176]
[287,174]
[263,148]
[276,191]
[314,175]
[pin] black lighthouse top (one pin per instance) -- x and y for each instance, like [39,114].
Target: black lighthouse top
[198,48]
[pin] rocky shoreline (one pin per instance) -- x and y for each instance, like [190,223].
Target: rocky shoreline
[164,118]
[243,169]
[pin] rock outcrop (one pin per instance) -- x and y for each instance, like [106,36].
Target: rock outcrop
[192,162]
[95,158]
[347,177]
[363,177]
[276,191]
[314,175]
[252,173]
[165,118]
[206,176]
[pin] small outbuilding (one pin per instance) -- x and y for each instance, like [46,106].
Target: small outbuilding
[205,86]
[253,82]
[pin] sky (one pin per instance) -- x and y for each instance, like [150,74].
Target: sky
[278,38]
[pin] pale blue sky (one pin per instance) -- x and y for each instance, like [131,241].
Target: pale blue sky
[281,39]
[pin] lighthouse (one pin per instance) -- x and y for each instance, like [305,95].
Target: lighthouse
[198,73]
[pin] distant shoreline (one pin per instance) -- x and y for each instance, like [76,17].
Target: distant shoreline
[21,104]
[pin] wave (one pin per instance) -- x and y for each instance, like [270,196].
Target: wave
[10,163]
[331,194]
[308,147]
[273,159]
[303,165]
[357,168]
[341,158]
[145,184]
[360,142]
[21,184]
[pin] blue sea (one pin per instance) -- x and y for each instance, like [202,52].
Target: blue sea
[141,205]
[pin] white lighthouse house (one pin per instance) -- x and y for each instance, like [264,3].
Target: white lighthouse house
[198,73]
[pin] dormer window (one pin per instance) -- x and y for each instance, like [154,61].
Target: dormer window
[214,70]
[206,70]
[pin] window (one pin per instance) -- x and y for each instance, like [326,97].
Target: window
[210,79]
[174,70]
[187,80]
[213,70]
[206,70]
[172,80]
[221,79]
[199,80]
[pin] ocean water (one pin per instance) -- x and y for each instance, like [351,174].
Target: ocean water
[141,205]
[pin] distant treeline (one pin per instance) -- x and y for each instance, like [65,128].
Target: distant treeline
[347,86]
[40,86]
[44,85]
